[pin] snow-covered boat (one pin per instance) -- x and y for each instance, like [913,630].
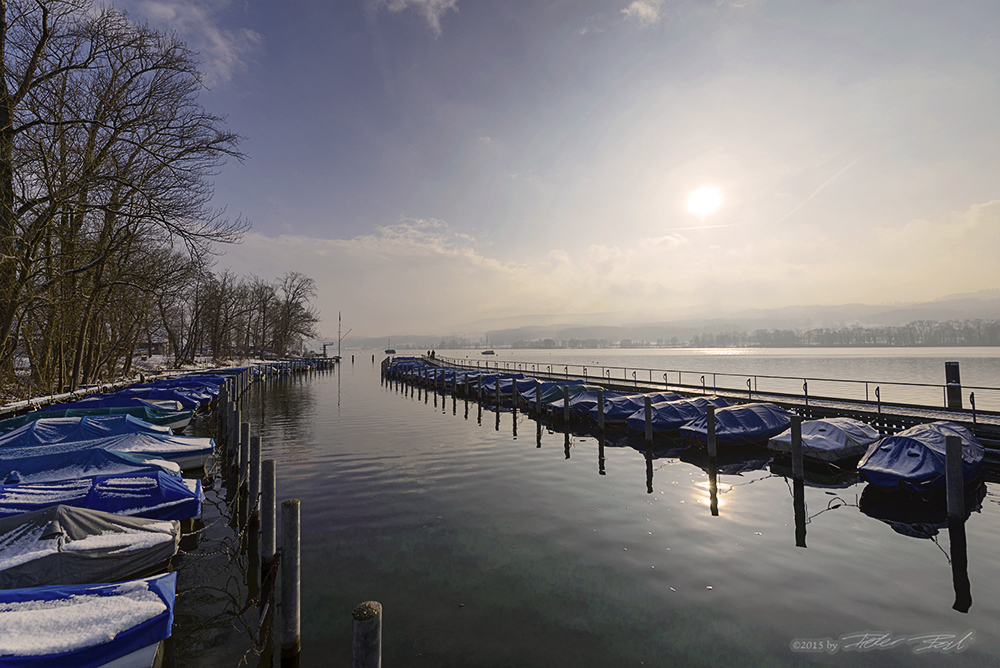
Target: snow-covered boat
[187,452]
[829,439]
[83,626]
[174,419]
[150,494]
[65,545]
[915,458]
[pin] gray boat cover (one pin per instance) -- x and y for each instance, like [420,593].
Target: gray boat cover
[65,545]
[829,439]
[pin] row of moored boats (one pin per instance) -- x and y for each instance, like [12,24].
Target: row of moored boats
[913,459]
[91,503]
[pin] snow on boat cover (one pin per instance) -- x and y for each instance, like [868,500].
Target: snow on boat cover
[155,495]
[915,457]
[65,545]
[672,415]
[180,449]
[829,439]
[84,626]
[55,429]
[176,419]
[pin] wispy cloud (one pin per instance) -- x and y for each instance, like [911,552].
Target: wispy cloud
[223,50]
[646,12]
[432,10]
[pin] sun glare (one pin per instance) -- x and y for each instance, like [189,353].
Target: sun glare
[704,200]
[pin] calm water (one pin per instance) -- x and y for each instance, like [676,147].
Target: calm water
[489,547]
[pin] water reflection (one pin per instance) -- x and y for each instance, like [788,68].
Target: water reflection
[799,504]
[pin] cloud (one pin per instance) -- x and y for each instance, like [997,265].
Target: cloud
[432,10]
[223,51]
[646,12]
[422,276]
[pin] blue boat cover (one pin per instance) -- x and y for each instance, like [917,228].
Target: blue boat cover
[618,408]
[152,414]
[148,602]
[33,464]
[53,430]
[40,458]
[672,415]
[581,403]
[153,494]
[915,457]
[740,424]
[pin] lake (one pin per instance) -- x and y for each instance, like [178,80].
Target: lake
[491,542]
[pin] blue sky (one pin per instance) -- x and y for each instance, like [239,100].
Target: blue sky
[437,163]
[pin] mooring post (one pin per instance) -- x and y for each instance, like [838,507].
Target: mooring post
[268,514]
[798,469]
[600,409]
[290,573]
[710,414]
[234,432]
[366,647]
[649,421]
[497,387]
[954,477]
[954,381]
[566,404]
[254,477]
[244,468]
[538,397]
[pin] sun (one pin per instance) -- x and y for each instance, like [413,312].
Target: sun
[704,201]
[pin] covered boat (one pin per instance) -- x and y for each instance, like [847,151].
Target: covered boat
[915,458]
[737,425]
[174,419]
[152,494]
[57,429]
[65,545]
[829,439]
[582,403]
[619,408]
[186,452]
[45,464]
[672,415]
[82,626]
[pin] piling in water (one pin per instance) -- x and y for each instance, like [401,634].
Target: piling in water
[366,646]
[710,414]
[649,421]
[268,518]
[954,477]
[798,469]
[291,643]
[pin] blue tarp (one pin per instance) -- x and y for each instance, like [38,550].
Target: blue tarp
[152,494]
[60,454]
[915,457]
[151,414]
[740,424]
[54,430]
[147,632]
[672,415]
[30,465]
[618,408]
[582,403]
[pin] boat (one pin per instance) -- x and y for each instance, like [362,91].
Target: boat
[917,515]
[740,425]
[618,407]
[488,351]
[389,349]
[66,545]
[174,419]
[670,416]
[914,458]
[150,494]
[117,625]
[829,439]
[49,463]
[187,452]
[56,429]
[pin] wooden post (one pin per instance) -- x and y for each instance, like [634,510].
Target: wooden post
[291,644]
[798,469]
[954,477]
[244,454]
[234,432]
[254,477]
[710,414]
[268,514]
[600,411]
[538,397]
[954,385]
[366,647]
[649,420]
[566,403]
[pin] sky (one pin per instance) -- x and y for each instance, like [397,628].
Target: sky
[437,164]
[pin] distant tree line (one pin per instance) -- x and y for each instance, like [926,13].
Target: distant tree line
[106,229]
[917,333]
